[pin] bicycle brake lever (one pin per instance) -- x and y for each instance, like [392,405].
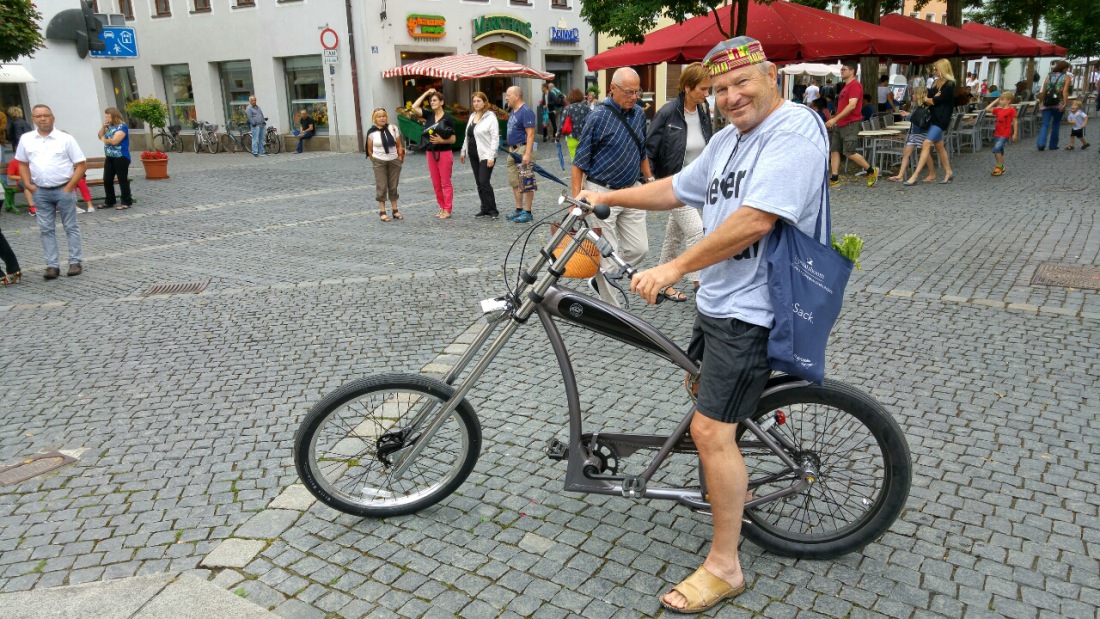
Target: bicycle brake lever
[613,280]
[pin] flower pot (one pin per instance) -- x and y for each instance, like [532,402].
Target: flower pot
[155,169]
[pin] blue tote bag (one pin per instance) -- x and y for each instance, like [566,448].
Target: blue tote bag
[806,280]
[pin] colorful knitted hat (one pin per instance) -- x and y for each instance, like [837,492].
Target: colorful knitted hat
[734,54]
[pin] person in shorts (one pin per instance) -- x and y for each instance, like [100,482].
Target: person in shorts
[770,163]
[844,128]
[1079,118]
[1006,127]
[915,139]
[520,139]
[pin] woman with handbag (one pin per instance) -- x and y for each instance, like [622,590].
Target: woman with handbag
[919,121]
[575,113]
[676,137]
[440,136]
[481,143]
[941,102]
[387,154]
[1054,93]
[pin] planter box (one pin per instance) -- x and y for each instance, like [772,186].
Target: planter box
[155,169]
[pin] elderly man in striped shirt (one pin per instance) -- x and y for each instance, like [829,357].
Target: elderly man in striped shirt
[611,155]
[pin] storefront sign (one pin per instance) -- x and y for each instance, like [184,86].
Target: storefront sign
[502,24]
[427,26]
[563,34]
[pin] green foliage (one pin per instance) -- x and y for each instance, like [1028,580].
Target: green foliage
[1074,28]
[150,110]
[631,21]
[1021,16]
[850,246]
[19,35]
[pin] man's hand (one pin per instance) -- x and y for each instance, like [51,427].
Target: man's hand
[592,197]
[462,158]
[829,124]
[651,282]
[489,163]
[526,159]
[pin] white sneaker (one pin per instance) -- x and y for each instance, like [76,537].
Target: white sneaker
[91,209]
[80,210]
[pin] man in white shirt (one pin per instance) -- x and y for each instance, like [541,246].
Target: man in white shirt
[50,166]
[811,93]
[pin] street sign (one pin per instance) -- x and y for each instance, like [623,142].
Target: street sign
[121,42]
[330,56]
[329,38]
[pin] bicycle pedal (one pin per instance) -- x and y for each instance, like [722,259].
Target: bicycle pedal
[556,450]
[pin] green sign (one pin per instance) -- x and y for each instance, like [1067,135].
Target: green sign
[501,24]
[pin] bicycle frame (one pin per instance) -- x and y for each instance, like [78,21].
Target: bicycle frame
[549,302]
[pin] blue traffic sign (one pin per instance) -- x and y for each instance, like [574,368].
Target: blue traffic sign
[120,42]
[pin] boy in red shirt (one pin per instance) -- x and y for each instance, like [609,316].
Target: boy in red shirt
[1007,126]
[13,173]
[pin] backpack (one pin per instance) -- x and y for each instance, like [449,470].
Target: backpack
[556,98]
[1053,95]
[921,118]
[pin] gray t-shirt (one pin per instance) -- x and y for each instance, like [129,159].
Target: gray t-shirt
[696,142]
[778,167]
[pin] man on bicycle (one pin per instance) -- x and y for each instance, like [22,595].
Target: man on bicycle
[769,163]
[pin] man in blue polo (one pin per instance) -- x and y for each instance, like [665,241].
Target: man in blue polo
[520,139]
[611,155]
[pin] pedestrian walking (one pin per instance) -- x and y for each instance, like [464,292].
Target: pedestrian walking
[919,120]
[1079,119]
[677,136]
[387,155]
[1053,94]
[50,166]
[611,155]
[941,103]
[844,139]
[812,93]
[553,101]
[574,115]
[258,124]
[1005,128]
[482,140]
[520,140]
[777,153]
[115,135]
[441,136]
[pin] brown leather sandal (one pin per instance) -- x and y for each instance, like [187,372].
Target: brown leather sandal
[703,591]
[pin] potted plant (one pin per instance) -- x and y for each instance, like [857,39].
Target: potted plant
[153,112]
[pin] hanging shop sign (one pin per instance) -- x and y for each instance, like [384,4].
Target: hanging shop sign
[502,24]
[564,34]
[427,26]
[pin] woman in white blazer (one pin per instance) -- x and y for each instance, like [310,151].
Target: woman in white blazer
[482,141]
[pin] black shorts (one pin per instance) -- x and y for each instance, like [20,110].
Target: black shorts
[1077,133]
[735,366]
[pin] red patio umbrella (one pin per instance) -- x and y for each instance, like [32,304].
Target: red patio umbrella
[466,67]
[949,40]
[1026,46]
[789,32]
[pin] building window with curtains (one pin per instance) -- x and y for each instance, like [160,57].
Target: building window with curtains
[202,6]
[124,85]
[559,4]
[126,7]
[180,97]
[163,8]
[242,3]
[305,89]
[236,78]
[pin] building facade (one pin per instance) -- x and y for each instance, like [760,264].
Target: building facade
[205,57]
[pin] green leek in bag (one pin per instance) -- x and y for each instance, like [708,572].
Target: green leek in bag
[850,246]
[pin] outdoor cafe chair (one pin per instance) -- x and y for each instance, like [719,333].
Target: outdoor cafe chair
[951,137]
[971,132]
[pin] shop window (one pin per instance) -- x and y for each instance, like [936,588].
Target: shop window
[305,89]
[202,6]
[124,85]
[178,94]
[162,8]
[126,7]
[236,79]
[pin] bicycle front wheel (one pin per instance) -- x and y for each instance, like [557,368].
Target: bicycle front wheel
[177,143]
[161,143]
[198,142]
[347,445]
[228,144]
[274,143]
[246,142]
[212,143]
[863,470]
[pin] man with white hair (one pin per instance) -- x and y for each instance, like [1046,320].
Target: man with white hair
[770,163]
[611,154]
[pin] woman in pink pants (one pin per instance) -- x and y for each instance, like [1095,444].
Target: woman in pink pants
[441,135]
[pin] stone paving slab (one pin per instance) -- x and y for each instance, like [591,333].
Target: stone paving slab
[186,405]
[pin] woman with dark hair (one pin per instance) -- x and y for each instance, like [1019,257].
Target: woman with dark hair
[1053,97]
[679,132]
[440,158]
[482,141]
[941,99]
[115,136]
[576,112]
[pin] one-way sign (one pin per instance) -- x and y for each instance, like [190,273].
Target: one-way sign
[120,42]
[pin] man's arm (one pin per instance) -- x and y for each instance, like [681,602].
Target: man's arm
[530,131]
[576,181]
[655,196]
[740,230]
[25,176]
[647,172]
[852,104]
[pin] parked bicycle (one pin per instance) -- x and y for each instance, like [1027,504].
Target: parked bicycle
[206,136]
[168,139]
[273,142]
[241,142]
[829,468]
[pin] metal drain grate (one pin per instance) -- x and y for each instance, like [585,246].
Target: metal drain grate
[194,287]
[33,467]
[1067,276]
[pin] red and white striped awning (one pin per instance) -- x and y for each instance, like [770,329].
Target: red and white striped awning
[466,67]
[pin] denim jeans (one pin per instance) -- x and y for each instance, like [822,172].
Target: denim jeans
[49,202]
[1052,122]
[303,135]
[258,140]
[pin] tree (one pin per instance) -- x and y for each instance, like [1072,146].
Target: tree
[631,20]
[1075,28]
[19,35]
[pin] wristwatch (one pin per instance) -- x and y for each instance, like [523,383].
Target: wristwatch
[650,179]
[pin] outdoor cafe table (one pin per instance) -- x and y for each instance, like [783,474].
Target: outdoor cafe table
[874,136]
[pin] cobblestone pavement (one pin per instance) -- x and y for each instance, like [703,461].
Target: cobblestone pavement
[181,408]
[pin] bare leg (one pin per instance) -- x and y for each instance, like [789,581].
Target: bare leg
[925,155]
[727,483]
[942,152]
[858,159]
[900,176]
[834,163]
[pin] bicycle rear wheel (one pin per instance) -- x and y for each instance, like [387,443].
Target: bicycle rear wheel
[228,144]
[274,143]
[246,142]
[177,143]
[863,469]
[345,448]
[213,141]
[161,143]
[198,141]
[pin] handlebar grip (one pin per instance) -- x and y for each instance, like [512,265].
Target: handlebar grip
[601,211]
